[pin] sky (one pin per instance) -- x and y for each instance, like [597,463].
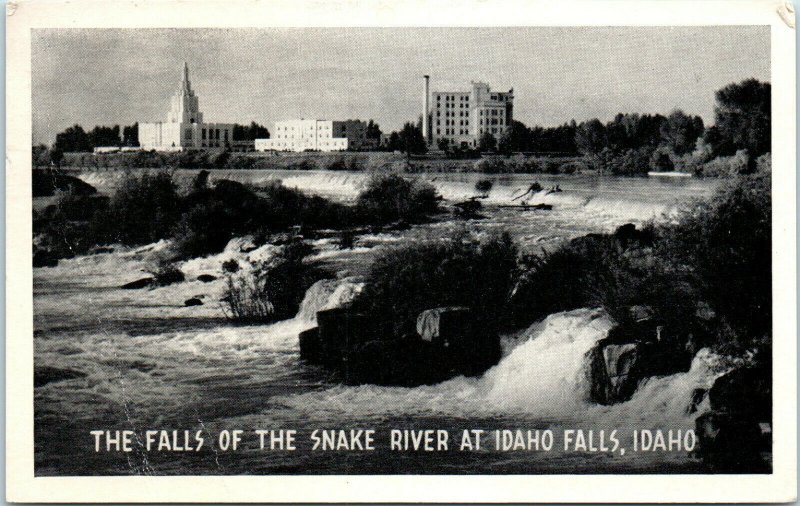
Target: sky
[121,76]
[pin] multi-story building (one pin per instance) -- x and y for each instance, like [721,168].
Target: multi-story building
[315,135]
[462,117]
[184,127]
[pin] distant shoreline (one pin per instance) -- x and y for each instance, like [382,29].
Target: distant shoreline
[493,164]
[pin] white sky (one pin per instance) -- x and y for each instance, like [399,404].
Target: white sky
[112,77]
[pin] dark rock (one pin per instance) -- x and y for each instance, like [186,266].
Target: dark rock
[467,208]
[97,250]
[206,278]
[347,342]
[628,235]
[730,444]
[443,325]
[340,330]
[139,284]
[621,361]
[310,348]
[698,395]
[44,258]
[745,393]
[194,301]
[230,265]
[631,353]
[45,375]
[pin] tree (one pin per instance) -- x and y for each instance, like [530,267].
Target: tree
[680,131]
[56,156]
[411,140]
[517,137]
[104,136]
[130,135]
[40,155]
[443,143]
[743,118]
[487,142]
[73,139]
[590,137]
[373,131]
[660,161]
[394,142]
[249,132]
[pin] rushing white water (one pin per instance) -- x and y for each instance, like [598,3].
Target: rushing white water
[150,361]
[541,375]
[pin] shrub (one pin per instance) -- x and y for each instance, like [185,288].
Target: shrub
[631,162]
[493,165]
[165,272]
[728,166]
[272,289]
[458,271]
[390,197]
[727,245]
[212,217]
[143,210]
[483,186]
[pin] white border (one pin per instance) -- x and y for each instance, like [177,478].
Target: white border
[22,486]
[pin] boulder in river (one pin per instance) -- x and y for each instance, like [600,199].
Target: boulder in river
[629,354]
[45,374]
[445,345]
[194,301]
[340,330]
[139,284]
[730,444]
[442,325]
[744,392]
[206,278]
[736,435]
[310,346]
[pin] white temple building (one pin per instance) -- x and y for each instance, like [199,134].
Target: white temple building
[184,128]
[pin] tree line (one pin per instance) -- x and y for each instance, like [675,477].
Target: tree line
[76,139]
[742,122]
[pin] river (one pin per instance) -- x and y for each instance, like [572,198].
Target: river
[151,363]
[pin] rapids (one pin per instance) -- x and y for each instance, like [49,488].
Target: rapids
[151,363]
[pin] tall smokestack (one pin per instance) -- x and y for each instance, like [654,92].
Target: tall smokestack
[425,93]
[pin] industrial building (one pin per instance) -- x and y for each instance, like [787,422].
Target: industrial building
[462,117]
[315,135]
[184,128]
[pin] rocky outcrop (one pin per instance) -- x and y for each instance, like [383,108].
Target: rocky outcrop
[446,344]
[735,436]
[631,353]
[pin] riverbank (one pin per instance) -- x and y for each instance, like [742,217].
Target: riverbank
[334,161]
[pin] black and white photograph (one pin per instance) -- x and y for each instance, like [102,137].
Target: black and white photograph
[365,250]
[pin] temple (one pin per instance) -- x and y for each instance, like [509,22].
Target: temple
[184,128]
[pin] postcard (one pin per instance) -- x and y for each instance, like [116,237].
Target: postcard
[474,251]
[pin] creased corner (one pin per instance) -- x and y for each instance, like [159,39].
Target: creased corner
[786,12]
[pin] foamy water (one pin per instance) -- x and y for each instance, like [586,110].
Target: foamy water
[151,362]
